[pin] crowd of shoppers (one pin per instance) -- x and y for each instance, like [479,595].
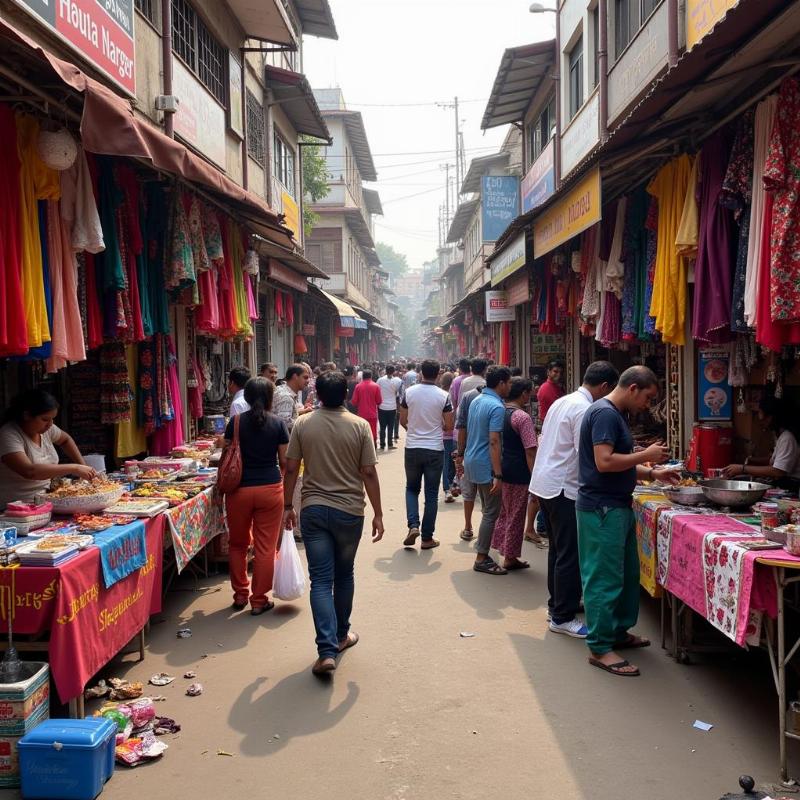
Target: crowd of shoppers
[309,451]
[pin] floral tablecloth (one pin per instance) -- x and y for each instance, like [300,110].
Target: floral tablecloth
[193,524]
[646,511]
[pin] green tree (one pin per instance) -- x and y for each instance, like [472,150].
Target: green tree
[315,181]
[392,261]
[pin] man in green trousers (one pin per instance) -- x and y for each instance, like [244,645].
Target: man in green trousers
[608,469]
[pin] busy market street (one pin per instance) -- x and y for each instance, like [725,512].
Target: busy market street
[400,399]
[417,711]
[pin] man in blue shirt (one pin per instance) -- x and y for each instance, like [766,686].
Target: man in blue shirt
[608,469]
[482,460]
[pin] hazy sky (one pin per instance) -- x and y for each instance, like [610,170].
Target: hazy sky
[394,60]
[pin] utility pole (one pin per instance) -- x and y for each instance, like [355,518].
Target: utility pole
[447,194]
[458,146]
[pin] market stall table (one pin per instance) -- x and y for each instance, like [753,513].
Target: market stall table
[88,621]
[702,563]
[193,525]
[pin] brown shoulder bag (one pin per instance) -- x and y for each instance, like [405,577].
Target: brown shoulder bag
[229,474]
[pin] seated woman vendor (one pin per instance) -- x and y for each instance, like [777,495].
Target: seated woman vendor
[28,440]
[783,466]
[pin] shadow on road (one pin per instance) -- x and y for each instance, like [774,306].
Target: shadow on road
[299,705]
[407,563]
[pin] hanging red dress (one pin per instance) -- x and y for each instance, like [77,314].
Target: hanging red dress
[13,336]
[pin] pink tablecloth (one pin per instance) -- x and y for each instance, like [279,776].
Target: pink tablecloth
[700,563]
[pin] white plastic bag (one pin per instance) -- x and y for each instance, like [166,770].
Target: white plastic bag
[289,582]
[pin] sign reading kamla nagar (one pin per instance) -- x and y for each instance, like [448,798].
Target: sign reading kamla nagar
[499,204]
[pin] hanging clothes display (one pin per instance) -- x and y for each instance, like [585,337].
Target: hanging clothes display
[765,114]
[114,384]
[37,182]
[44,350]
[782,179]
[13,327]
[711,320]
[688,236]
[79,207]
[129,437]
[737,195]
[669,187]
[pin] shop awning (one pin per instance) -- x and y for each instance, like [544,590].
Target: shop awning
[372,200]
[263,20]
[357,134]
[458,227]
[361,324]
[294,260]
[293,94]
[479,167]
[367,315]
[109,127]
[316,18]
[347,316]
[522,71]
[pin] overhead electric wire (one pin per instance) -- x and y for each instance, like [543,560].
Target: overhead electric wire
[409,196]
[418,105]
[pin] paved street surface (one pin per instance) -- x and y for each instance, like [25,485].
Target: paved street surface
[416,711]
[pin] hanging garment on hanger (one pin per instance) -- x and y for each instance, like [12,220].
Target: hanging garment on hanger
[79,207]
[669,187]
[716,258]
[13,327]
[782,178]
[762,132]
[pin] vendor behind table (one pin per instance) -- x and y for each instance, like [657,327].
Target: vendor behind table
[28,442]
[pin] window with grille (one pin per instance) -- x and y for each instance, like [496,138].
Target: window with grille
[576,78]
[148,9]
[284,164]
[629,18]
[543,130]
[255,129]
[196,46]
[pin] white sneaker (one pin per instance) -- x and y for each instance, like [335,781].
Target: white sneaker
[574,628]
[448,498]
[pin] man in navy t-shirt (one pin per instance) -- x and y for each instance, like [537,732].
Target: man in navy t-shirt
[608,469]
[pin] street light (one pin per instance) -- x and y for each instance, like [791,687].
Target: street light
[538,8]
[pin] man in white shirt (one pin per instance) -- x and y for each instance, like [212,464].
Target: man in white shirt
[477,380]
[389,385]
[287,402]
[425,413]
[555,482]
[237,378]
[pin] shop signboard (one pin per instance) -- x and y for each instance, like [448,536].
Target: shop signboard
[309,329]
[236,98]
[509,261]
[576,212]
[519,289]
[581,135]
[287,277]
[639,64]
[499,204]
[714,393]
[291,214]
[200,119]
[100,30]
[540,182]
[497,308]
[702,16]
[548,344]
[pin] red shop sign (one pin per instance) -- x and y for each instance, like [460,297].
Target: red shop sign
[102,32]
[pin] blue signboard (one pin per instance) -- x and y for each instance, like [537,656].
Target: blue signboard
[540,182]
[714,393]
[499,204]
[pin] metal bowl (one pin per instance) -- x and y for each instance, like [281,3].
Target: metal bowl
[685,495]
[734,493]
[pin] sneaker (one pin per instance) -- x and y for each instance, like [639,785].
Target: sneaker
[410,540]
[448,498]
[574,628]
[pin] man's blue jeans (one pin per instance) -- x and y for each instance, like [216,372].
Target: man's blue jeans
[448,467]
[331,539]
[423,464]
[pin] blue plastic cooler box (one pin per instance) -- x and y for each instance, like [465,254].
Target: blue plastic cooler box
[68,759]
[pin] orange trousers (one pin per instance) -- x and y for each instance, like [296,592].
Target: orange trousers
[254,516]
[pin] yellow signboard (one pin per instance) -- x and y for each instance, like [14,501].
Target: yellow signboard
[291,214]
[702,16]
[578,210]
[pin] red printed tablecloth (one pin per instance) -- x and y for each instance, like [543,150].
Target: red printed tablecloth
[88,623]
[193,525]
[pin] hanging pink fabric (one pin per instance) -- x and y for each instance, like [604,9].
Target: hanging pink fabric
[252,308]
[279,313]
[227,301]
[67,328]
[170,434]
[289,306]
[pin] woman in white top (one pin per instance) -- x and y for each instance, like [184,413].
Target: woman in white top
[783,466]
[28,440]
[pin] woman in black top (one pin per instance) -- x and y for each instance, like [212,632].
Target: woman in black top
[255,509]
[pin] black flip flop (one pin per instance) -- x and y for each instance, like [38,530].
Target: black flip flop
[518,565]
[615,668]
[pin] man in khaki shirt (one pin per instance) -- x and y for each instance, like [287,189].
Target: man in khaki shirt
[338,455]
